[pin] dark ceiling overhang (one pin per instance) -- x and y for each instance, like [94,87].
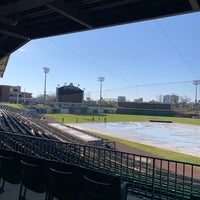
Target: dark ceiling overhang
[3,64]
[25,20]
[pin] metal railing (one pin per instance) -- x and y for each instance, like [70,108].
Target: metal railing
[151,177]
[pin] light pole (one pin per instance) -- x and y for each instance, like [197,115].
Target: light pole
[101,79]
[196,83]
[46,71]
[57,93]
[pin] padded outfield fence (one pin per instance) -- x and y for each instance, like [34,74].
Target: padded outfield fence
[150,177]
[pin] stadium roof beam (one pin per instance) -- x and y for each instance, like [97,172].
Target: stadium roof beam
[70,12]
[13,34]
[3,63]
[194,4]
[9,21]
[22,5]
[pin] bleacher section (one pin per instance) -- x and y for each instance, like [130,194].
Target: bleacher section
[153,109]
[149,177]
[24,122]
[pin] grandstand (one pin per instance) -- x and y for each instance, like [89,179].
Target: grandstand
[155,109]
[150,177]
[27,123]
[34,155]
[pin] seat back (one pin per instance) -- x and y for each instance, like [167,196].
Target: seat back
[100,186]
[33,176]
[10,169]
[64,181]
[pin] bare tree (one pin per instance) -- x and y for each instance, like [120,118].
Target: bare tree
[174,99]
[184,100]
[51,97]
[159,98]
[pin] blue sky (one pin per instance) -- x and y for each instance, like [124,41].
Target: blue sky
[137,60]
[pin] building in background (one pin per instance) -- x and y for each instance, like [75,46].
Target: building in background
[140,100]
[167,99]
[121,99]
[13,94]
[26,97]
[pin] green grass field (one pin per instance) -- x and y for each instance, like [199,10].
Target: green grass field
[70,118]
[17,106]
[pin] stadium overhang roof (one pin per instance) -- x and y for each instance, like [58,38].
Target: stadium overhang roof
[3,64]
[25,20]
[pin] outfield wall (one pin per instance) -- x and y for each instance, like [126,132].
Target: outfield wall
[128,111]
[151,112]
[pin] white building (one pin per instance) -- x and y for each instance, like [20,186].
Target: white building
[121,99]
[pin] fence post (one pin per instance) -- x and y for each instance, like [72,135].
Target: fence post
[153,177]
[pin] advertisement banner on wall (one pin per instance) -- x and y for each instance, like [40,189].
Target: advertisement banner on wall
[100,111]
[48,111]
[64,111]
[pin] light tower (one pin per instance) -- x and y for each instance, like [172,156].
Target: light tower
[196,83]
[46,71]
[101,79]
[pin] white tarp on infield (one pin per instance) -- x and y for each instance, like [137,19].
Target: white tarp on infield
[171,136]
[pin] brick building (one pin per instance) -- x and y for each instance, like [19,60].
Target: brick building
[13,94]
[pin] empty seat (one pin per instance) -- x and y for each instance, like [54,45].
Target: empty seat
[10,170]
[64,181]
[101,186]
[194,197]
[33,176]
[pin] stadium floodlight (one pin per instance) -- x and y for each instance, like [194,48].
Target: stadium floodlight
[101,79]
[46,71]
[57,89]
[196,83]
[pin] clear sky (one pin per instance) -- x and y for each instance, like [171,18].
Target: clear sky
[144,59]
